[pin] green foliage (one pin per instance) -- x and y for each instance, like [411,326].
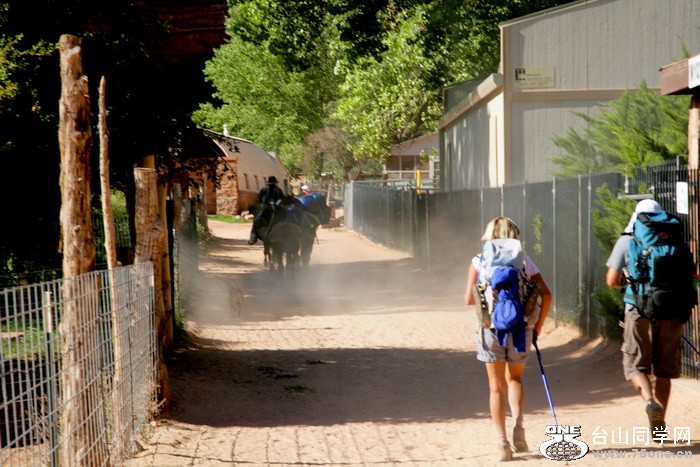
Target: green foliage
[369,74]
[384,98]
[609,220]
[611,308]
[148,112]
[264,101]
[30,343]
[291,31]
[230,219]
[537,230]
[204,239]
[641,128]
[328,151]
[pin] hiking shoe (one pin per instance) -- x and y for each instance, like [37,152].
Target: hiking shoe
[655,413]
[519,442]
[506,452]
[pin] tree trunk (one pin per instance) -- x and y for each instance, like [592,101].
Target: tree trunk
[122,431]
[166,279]
[81,443]
[107,216]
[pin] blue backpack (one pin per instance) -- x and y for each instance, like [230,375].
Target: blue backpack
[660,268]
[315,204]
[502,270]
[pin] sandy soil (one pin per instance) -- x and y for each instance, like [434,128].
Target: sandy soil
[365,358]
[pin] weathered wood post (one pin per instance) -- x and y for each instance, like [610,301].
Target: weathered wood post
[683,77]
[150,241]
[121,430]
[81,440]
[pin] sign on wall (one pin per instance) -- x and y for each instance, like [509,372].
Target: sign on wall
[530,78]
[693,71]
[682,197]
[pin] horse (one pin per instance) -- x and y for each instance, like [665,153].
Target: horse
[278,225]
[282,242]
[308,236]
[316,213]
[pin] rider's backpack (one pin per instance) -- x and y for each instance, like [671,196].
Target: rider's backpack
[660,268]
[502,289]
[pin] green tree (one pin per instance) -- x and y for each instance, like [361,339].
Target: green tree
[640,128]
[264,101]
[149,108]
[384,99]
[327,151]
[378,69]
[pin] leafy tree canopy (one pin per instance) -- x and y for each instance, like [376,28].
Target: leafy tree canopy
[377,68]
[148,112]
[640,128]
[383,98]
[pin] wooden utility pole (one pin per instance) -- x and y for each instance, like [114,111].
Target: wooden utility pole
[81,443]
[683,77]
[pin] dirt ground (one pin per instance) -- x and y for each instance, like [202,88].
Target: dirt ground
[365,358]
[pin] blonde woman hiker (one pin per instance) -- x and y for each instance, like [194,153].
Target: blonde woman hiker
[504,352]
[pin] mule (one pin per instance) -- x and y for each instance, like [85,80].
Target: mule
[283,246]
[317,213]
[308,237]
[279,227]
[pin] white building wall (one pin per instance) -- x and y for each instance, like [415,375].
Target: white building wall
[534,154]
[471,135]
[605,43]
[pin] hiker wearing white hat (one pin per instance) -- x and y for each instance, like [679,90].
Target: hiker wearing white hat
[645,205]
[653,311]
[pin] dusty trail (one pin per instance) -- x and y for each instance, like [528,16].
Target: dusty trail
[366,359]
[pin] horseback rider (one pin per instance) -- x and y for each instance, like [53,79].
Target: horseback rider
[269,194]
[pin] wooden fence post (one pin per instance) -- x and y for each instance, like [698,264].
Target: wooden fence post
[81,444]
[150,241]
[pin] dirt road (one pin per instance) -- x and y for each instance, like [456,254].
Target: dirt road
[366,359]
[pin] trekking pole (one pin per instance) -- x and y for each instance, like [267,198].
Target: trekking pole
[544,377]
[691,345]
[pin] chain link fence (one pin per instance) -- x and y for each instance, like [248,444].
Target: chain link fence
[79,368]
[555,217]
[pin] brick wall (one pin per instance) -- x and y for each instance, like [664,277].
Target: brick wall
[224,200]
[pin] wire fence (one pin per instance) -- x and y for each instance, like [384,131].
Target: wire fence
[79,368]
[443,229]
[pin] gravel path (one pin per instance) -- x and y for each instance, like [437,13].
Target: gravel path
[366,359]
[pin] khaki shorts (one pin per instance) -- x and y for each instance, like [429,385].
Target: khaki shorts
[651,347]
[488,350]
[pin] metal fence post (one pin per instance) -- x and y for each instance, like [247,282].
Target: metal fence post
[51,363]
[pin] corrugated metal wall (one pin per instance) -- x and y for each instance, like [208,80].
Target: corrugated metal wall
[597,49]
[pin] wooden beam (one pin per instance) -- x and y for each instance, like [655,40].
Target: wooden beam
[674,78]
